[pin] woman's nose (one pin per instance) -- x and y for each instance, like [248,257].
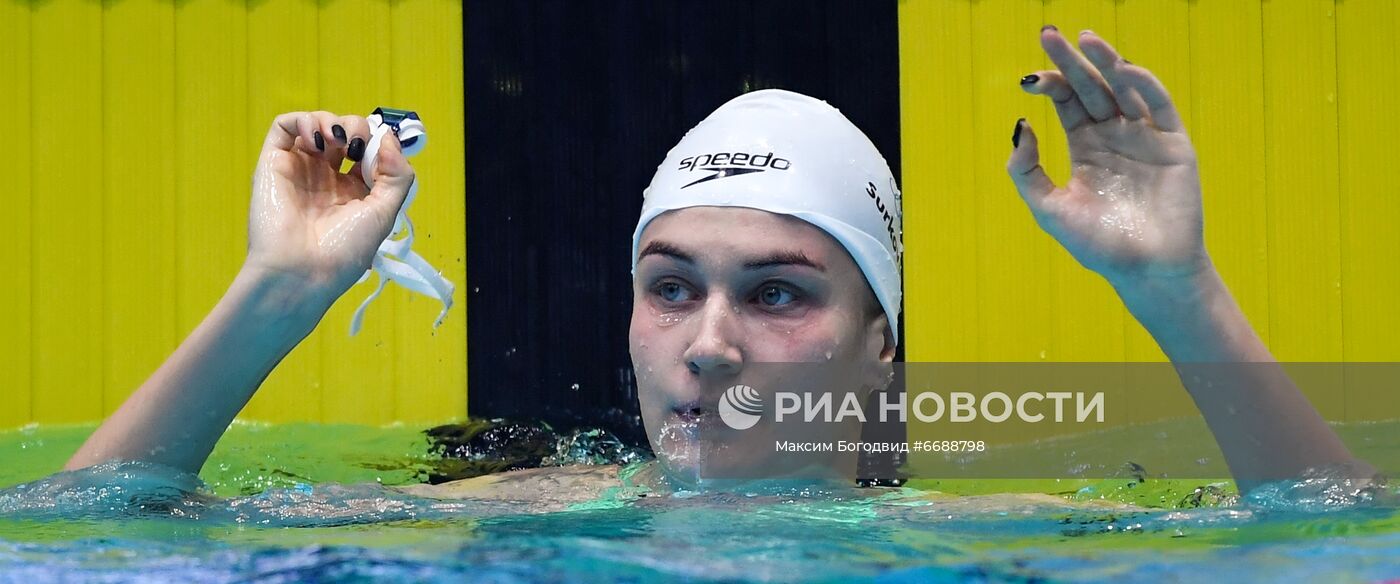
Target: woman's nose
[715,348]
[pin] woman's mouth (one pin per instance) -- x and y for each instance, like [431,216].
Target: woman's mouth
[696,413]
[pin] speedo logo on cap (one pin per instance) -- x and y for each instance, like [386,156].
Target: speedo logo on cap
[727,164]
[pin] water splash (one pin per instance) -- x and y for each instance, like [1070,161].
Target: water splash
[136,522]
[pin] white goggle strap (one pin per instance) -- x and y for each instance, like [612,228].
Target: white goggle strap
[395,260]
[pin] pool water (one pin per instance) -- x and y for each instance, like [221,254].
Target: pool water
[270,509]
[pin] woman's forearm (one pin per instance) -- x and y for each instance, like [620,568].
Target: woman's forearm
[1264,425]
[179,413]
[1194,319]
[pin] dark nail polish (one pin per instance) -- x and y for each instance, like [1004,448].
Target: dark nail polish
[1030,79]
[1016,135]
[356,150]
[1049,27]
[1127,61]
[339,132]
[320,141]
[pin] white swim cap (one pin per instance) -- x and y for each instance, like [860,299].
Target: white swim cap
[787,153]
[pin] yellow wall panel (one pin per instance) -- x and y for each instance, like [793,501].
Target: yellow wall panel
[940,228]
[1087,320]
[1156,35]
[1300,144]
[136,196]
[354,79]
[138,94]
[941,312]
[430,365]
[1369,208]
[67,219]
[1227,114]
[283,61]
[1367,101]
[212,154]
[15,295]
[1305,193]
[130,242]
[1013,256]
[1285,102]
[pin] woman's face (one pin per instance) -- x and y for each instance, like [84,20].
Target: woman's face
[719,289]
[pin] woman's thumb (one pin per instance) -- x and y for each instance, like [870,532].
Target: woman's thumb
[393,176]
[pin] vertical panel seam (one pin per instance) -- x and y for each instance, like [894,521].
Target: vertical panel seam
[33,354]
[1051,345]
[104,302]
[980,330]
[175,168]
[171,204]
[1337,152]
[1264,143]
[1262,100]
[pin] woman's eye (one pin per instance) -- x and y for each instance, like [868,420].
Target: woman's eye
[776,296]
[672,292]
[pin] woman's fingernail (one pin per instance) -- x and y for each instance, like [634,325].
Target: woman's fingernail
[1016,135]
[1127,61]
[339,132]
[1030,79]
[1049,27]
[356,150]
[1086,32]
[320,141]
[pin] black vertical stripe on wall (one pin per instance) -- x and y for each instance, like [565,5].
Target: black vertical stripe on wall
[570,106]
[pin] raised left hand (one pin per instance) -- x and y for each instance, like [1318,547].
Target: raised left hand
[1132,206]
[309,222]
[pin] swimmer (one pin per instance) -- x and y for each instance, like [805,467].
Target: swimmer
[788,250]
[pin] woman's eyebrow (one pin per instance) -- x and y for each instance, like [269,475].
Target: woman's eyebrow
[776,259]
[784,258]
[665,249]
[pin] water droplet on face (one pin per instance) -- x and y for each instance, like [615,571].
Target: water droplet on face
[828,355]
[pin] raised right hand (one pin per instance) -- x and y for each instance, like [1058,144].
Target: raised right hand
[1131,209]
[307,221]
